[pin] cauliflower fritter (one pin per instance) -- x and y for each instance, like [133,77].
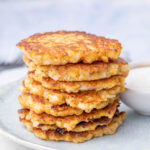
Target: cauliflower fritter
[62,47]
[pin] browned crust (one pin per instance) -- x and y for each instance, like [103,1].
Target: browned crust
[86,100]
[40,105]
[80,71]
[77,137]
[69,122]
[82,126]
[64,47]
[75,87]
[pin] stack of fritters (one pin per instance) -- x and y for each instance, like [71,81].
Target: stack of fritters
[72,87]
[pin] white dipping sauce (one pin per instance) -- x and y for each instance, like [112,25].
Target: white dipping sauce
[139,79]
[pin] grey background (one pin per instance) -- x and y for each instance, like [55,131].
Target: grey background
[126,20]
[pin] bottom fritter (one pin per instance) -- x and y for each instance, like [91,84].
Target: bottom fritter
[77,137]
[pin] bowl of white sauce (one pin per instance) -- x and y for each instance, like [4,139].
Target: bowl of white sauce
[137,94]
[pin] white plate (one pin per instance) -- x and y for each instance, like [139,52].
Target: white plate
[134,134]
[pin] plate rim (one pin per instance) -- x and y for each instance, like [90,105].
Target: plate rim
[22,141]
[16,139]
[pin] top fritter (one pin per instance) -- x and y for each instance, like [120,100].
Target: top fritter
[62,47]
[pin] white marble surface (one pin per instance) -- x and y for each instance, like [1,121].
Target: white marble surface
[126,20]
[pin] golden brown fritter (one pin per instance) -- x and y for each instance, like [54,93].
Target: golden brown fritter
[77,137]
[76,86]
[80,71]
[62,47]
[40,105]
[83,126]
[70,122]
[86,100]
